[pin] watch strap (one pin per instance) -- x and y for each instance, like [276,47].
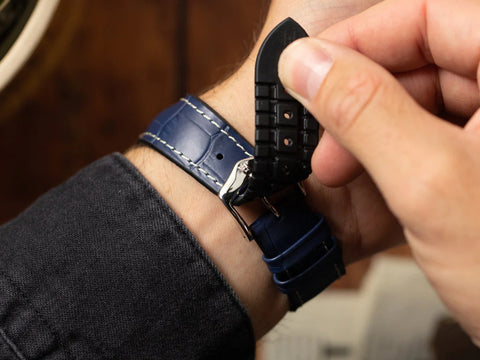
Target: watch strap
[296,242]
[286,134]
[197,139]
[304,259]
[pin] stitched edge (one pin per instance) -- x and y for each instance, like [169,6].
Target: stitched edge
[215,124]
[11,345]
[41,318]
[182,155]
[130,169]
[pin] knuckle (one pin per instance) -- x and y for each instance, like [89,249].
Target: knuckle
[440,174]
[348,99]
[428,192]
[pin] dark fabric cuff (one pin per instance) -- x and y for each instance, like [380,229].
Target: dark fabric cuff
[101,267]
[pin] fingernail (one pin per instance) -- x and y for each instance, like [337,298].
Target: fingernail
[303,66]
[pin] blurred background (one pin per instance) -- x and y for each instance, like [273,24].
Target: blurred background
[101,73]
[103,70]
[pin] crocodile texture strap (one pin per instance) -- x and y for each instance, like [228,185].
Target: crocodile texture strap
[298,248]
[198,140]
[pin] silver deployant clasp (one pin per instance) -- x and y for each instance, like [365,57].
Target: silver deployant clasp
[237,181]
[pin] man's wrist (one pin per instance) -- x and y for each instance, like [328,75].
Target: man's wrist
[239,260]
[210,222]
[234,98]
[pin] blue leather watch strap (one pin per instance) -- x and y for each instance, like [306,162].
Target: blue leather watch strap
[194,137]
[298,248]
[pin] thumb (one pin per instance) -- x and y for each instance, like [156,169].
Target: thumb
[473,124]
[363,107]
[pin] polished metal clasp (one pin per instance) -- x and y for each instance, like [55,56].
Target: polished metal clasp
[236,182]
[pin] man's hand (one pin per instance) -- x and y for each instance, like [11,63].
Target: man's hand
[427,169]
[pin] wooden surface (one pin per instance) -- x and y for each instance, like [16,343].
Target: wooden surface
[100,75]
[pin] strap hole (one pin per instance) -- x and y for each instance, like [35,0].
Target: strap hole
[219,156]
[288,115]
[287,141]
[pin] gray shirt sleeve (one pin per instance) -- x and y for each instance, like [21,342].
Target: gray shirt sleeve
[101,268]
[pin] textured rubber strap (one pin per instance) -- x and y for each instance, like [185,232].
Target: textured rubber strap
[286,134]
[297,245]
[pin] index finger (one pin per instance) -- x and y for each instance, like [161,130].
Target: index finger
[403,35]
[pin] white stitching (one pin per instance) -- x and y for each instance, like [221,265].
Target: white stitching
[182,155]
[215,124]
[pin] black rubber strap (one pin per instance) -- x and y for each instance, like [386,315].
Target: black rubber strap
[286,134]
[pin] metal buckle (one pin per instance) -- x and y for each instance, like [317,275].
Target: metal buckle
[236,182]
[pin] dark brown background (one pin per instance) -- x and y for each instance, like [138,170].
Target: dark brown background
[101,73]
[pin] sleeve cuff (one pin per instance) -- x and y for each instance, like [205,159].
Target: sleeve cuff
[101,267]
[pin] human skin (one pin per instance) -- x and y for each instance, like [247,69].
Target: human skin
[358,216]
[379,96]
